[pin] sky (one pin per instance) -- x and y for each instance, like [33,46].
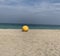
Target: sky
[30,11]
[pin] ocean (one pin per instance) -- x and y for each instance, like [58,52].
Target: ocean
[31,26]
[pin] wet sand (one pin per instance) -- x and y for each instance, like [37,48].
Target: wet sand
[39,42]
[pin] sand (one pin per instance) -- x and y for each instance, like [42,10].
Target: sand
[39,42]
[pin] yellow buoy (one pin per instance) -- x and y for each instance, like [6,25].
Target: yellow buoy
[25,28]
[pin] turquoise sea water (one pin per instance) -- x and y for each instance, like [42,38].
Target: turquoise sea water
[19,26]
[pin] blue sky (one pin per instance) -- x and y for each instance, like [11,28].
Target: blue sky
[30,11]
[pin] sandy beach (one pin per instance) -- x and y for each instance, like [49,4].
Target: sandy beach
[35,42]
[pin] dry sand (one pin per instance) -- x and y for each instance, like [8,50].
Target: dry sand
[39,42]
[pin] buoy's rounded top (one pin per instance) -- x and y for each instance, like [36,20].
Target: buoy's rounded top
[25,28]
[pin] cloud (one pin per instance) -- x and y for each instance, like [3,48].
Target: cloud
[32,11]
